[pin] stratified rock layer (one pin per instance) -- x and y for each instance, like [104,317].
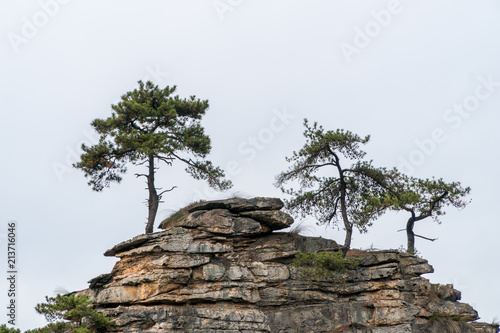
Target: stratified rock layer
[217,268]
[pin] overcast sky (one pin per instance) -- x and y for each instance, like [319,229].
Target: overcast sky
[422,78]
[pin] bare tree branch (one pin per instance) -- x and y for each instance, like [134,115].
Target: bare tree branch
[429,239]
[173,187]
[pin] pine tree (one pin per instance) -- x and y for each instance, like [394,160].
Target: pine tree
[329,190]
[148,126]
[70,314]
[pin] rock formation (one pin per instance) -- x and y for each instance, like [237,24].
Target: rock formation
[218,268]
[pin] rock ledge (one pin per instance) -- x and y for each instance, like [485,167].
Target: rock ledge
[234,216]
[218,268]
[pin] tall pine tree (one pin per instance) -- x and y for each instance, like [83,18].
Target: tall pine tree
[147,127]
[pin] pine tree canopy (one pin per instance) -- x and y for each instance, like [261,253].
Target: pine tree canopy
[150,122]
[336,184]
[421,197]
[329,190]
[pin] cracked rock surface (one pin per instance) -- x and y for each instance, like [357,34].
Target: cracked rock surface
[218,267]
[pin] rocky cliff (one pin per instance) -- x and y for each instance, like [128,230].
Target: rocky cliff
[217,267]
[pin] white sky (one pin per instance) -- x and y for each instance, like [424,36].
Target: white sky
[252,60]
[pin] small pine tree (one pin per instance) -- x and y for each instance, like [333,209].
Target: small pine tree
[70,314]
[421,198]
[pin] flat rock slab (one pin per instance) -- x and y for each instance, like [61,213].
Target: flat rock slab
[274,220]
[217,221]
[236,205]
[236,217]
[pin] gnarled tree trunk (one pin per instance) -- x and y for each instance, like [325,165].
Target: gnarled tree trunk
[153,200]
[345,217]
[410,234]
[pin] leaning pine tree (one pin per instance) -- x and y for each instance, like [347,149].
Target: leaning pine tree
[149,126]
[329,190]
[421,198]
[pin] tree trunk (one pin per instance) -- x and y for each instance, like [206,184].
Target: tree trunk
[345,218]
[348,237]
[153,199]
[410,234]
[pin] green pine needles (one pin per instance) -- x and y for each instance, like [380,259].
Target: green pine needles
[338,185]
[147,127]
[5,329]
[70,314]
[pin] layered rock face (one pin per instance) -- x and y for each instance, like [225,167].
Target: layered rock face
[218,268]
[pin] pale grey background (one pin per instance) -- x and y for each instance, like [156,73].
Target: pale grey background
[251,61]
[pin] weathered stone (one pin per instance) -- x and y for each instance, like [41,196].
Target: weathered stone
[446,292]
[417,270]
[173,239]
[377,258]
[274,220]
[100,281]
[283,247]
[408,260]
[456,310]
[484,327]
[404,328]
[246,226]
[236,273]
[125,294]
[217,221]
[237,205]
[130,244]
[213,272]
[208,247]
[211,292]
[444,325]
[269,272]
[273,296]
[181,260]
[374,272]
[162,276]
[198,318]
[310,318]
[217,269]
[369,286]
